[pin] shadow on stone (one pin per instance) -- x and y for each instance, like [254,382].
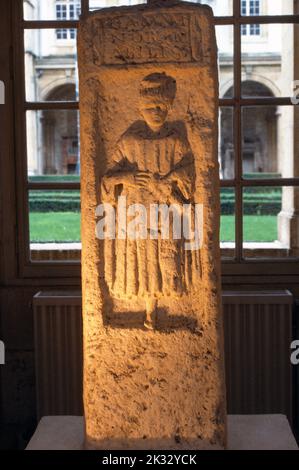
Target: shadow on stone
[164,322]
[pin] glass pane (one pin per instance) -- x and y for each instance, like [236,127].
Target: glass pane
[261,207]
[220,7]
[269,139]
[51,10]
[226,143]
[261,47]
[51,65]
[268,7]
[225,43]
[268,54]
[96,4]
[227,227]
[53,145]
[54,221]
[270,223]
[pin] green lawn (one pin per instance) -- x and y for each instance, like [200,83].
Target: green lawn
[257,228]
[54,227]
[65,227]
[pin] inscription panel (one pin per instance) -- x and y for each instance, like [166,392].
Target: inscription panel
[148,38]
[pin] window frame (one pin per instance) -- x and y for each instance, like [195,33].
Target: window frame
[237,266]
[26,267]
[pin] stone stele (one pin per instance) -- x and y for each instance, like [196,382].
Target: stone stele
[153,335]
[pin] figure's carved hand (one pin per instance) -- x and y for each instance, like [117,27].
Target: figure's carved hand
[129,178]
[182,181]
[159,186]
[141,179]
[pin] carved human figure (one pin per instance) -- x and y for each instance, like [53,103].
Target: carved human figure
[152,164]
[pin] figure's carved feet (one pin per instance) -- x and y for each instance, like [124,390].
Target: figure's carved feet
[149,325]
[151,312]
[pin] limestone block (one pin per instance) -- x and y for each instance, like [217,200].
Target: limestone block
[152,320]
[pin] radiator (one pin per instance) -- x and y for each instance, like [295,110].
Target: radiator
[258,333]
[58,353]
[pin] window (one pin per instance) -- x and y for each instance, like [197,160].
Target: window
[61,33]
[68,10]
[251,8]
[257,136]
[61,11]
[51,227]
[257,139]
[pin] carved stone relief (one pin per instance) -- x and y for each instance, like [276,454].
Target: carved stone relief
[153,337]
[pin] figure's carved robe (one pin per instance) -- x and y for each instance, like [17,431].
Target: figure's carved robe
[151,267]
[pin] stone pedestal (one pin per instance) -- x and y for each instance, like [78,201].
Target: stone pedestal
[153,338]
[254,432]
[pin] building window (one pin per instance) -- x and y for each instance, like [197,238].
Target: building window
[67,10]
[61,33]
[251,8]
[61,11]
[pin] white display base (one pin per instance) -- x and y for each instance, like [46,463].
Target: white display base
[245,432]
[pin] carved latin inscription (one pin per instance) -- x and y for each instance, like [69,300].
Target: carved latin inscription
[148,38]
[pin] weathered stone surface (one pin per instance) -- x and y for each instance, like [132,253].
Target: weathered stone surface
[153,339]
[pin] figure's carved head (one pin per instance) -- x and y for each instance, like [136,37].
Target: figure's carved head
[157,93]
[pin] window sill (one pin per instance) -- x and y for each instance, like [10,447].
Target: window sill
[252,250]
[72,251]
[55,251]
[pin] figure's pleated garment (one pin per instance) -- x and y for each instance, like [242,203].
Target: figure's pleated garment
[154,267]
